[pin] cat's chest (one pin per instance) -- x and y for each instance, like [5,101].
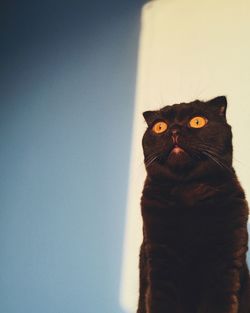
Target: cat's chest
[174,198]
[179,213]
[193,195]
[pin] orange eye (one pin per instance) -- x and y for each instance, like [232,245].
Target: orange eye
[198,122]
[160,127]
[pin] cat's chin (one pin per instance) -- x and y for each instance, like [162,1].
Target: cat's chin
[178,158]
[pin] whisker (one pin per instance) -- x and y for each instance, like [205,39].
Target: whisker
[149,162]
[221,164]
[216,152]
[207,147]
[213,154]
[151,158]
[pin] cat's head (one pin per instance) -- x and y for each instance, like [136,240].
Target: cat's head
[188,140]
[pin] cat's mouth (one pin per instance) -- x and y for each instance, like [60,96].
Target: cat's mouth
[178,156]
[177,149]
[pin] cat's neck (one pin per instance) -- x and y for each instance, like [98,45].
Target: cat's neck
[196,189]
[213,178]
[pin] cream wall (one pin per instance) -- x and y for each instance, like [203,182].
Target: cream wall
[188,50]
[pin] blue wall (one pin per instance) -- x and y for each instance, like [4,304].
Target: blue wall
[67,86]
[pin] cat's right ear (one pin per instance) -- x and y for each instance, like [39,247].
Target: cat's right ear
[149,116]
[220,104]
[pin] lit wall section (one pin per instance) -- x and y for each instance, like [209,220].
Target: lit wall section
[188,50]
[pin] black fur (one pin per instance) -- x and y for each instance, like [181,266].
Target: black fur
[193,254]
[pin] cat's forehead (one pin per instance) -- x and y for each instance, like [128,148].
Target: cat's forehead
[181,111]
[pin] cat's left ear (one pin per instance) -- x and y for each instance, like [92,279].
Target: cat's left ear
[220,103]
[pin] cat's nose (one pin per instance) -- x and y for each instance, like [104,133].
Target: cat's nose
[175,134]
[175,131]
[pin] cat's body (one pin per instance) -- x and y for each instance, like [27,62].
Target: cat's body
[193,255]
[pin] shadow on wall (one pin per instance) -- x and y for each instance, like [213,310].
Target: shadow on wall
[68,73]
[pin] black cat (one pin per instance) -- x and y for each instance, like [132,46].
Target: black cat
[193,255]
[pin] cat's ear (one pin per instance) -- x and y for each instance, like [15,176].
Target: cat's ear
[220,103]
[149,116]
